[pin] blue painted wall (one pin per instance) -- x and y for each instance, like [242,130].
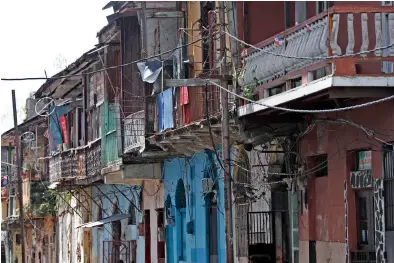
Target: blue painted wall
[129,232]
[192,170]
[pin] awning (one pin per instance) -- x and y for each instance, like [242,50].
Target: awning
[103,221]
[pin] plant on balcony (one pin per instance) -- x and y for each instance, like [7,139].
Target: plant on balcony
[248,93]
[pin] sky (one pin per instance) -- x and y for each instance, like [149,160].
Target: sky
[42,35]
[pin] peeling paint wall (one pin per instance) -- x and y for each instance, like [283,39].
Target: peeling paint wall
[69,237]
[128,232]
[152,197]
[330,216]
[196,246]
[254,162]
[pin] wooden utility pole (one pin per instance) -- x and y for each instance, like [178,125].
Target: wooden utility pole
[226,141]
[144,54]
[18,171]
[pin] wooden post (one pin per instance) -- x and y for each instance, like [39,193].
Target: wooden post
[19,153]
[226,142]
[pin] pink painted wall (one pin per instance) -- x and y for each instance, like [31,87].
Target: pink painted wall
[324,218]
[152,196]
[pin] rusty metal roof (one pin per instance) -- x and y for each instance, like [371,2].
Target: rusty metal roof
[81,64]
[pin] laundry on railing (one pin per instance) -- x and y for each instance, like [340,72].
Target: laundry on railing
[165,106]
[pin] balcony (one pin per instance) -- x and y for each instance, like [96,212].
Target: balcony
[93,163]
[333,40]
[134,131]
[67,166]
[183,127]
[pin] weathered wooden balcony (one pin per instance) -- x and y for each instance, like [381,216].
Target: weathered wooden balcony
[67,166]
[93,163]
[334,42]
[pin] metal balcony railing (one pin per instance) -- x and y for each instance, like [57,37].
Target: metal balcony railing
[340,37]
[134,131]
[67,165]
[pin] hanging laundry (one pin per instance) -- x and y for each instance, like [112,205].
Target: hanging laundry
[168,119]
[184,96]
[160,111]
[186,114]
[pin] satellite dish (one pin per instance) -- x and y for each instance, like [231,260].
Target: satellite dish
[27,137]
[43,106]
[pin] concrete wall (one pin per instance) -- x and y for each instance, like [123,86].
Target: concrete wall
[129,232]
[68,236]
[323,218]
[192,170]
[152,197]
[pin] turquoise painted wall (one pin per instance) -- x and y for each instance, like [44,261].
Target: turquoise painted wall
[192,170]
[129,232]
[109,141]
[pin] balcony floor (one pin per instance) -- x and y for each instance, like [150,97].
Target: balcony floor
[194,137]
[318,86]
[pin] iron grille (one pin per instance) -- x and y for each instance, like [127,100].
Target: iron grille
[260,228]
[363,257]
[388,160]
[117,251]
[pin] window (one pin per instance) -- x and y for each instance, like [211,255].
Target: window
[387,66]
[99,210]
[276,90]
[294,83]
[388,168]
[115,207]
[322,6]
[132,218]
[12,203]
[321,165]
[18,239]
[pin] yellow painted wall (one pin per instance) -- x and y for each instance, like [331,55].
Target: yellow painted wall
[16,248]
[193,33]
[193,16]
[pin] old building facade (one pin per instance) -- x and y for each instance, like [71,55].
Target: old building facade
[130,152]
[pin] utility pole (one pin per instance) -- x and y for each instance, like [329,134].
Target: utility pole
[19,153]
[226,141]
[144,54]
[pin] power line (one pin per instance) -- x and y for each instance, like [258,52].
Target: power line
[306,111]
[103,69]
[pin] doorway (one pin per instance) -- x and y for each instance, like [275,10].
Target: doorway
[213,235]
[147,237]
[365,220]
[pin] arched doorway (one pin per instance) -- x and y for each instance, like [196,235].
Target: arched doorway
[242,203]
[180,204]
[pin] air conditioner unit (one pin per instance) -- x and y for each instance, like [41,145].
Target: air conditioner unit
[170,212]
[161,234]
[207,185]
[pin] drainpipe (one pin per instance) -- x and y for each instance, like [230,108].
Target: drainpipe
[56,226]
